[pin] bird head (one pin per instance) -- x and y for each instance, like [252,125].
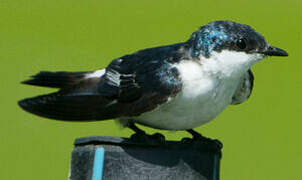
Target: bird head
[227,35]
[231,44]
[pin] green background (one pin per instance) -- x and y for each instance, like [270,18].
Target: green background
[262,137]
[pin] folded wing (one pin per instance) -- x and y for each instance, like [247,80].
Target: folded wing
[244,89]
[131,85]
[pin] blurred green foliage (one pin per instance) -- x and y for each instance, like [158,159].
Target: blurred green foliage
[261,137]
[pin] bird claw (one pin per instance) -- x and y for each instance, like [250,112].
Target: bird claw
[202,139]
[186,140]
[159,137]
[146,138]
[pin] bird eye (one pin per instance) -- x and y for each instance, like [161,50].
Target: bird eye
[241,43]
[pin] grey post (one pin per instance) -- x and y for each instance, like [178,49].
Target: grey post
[114,158]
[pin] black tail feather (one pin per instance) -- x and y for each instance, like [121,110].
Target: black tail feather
[68,108]
[55,79]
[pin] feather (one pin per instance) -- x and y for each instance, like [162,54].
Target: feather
[55,79]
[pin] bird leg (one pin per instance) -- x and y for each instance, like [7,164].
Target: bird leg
[142,136]
[197,137]
[137,130]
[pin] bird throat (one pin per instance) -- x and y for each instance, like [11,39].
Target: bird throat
[229,64]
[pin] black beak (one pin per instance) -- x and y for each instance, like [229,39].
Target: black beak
[274,51]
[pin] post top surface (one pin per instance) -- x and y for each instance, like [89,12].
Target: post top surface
[120,141]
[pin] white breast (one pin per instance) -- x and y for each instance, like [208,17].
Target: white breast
[202,98]
[208,88]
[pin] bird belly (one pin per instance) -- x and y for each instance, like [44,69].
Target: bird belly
[197,104]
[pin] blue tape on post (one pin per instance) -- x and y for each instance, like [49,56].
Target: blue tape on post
[98,164]
[215,167]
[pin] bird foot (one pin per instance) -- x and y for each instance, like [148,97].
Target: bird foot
[202,139]
[155,138]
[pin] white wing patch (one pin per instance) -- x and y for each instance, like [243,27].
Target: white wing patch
[113,77]
[96,74]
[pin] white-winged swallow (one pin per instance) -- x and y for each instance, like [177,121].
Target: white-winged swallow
[174,87]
